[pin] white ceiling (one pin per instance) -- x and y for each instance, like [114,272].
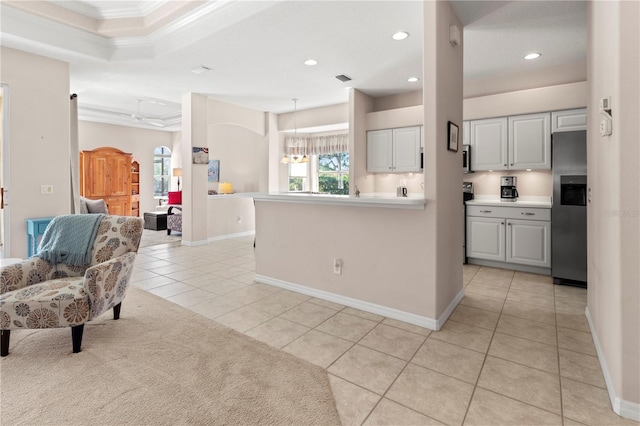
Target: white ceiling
[121,51]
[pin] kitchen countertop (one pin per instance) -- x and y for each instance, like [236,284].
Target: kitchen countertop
[535,202]
[365,200]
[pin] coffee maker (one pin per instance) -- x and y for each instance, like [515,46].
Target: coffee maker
[508,191]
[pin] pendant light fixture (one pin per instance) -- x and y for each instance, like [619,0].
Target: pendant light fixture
[296,158]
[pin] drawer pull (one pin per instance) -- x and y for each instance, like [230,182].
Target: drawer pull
[528,214]
[485,211]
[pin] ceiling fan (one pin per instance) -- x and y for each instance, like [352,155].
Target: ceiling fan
[139,118]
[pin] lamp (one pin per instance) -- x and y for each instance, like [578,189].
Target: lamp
[178,172]
[296,158]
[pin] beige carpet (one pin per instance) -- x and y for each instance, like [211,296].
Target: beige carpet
[153,238]
[160,364]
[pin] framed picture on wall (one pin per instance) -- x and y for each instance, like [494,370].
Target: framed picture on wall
[452,143]
[200,155]
[213,174]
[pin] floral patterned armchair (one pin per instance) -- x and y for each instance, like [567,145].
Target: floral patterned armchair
[39,294]
[174,219]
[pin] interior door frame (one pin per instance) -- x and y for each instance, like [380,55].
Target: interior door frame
[6,170]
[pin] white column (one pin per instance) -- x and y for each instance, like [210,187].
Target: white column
[194,176]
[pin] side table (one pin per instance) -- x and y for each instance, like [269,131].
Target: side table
[35,231]
[156,221]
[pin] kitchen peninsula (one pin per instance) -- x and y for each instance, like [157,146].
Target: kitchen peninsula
[365,200]
[365,252]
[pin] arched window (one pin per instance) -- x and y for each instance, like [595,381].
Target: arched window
[161,171]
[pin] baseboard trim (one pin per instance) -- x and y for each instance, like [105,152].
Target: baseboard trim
[447,312]
[228,236]
[510,266]
[194,243]
[627,409]
[408,317]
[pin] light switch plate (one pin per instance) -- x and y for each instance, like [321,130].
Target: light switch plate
[46,189]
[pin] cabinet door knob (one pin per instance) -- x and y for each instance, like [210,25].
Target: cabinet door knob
[512,164]
[528,214]
[505,164]
[501,223]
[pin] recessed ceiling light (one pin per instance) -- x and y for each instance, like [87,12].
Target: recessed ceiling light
[533,56]
[310,62]
[201,69]
[400,35]
[413,79]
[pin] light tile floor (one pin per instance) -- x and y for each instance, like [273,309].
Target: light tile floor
[517,350]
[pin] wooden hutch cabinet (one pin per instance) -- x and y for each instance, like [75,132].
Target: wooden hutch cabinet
[135,188]
[105,173]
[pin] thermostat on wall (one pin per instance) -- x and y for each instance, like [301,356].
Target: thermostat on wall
[606,121]
[605,126]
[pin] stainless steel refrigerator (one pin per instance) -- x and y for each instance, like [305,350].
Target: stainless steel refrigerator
[569,208]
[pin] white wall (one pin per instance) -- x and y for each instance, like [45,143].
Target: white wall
[382,251]
[359,105]
[139,142]
[314,117]
[614,208]
[541,99]
[229,215]
[237,136]
[194,190]
[551,76]
[401,100]
[442,69]
[38,140]
[176,158]
[242,154]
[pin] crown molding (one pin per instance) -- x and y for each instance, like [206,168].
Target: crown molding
[124,9]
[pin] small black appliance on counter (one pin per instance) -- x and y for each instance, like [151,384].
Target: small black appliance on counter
[508,191]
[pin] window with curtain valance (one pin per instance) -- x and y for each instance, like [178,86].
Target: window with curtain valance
[319,163]
[317,145]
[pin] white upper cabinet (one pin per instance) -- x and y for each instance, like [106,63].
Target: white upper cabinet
[406,149]
[394,150]
[380,150]
[569,120]
[489,144]
[511,143]
[530,141]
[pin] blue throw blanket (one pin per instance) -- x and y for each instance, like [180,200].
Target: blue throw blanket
[69,239]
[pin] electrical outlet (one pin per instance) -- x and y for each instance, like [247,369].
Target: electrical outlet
[337,266]
[239,219]
[46,189]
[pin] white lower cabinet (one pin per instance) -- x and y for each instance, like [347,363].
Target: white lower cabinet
[494,233]
[485,238]
[529,242]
